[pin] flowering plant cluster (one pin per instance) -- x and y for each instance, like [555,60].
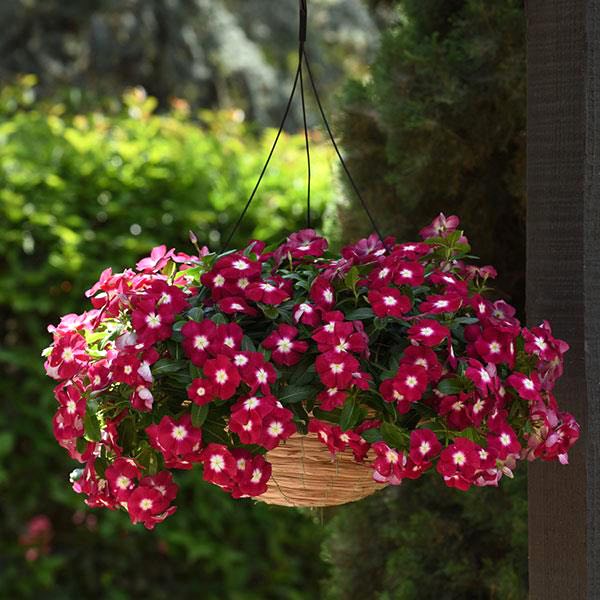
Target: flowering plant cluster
[391,349]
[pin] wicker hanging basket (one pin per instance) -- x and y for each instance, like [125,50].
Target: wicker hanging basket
[306,474]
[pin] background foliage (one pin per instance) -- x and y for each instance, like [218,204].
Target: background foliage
[78,193]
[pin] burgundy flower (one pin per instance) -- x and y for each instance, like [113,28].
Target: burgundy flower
[285,348]
[201,391]
[335,369]
[408,273]
[199,340]
[122,476]
[267,293]
[219,465]
[444,303]
[322,293]
[389,302]
[276,427]
[528,387]
[222,375]
[428,332]
[424,446]
[459,462]
[236,304]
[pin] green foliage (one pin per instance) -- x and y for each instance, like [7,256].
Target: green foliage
[440,127]
[422,540]
[77,194]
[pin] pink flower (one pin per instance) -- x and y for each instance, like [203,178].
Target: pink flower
[365,250]
[495,346]
[149,502]
[503,441]
[441,226]
[428,332]
[257,373]
[228,339]
[484,378]
[125,368]
[142,399]
[285,348]
[158,259]
[340,336]
[222,375]
[247,424]
[201,391]
[388,464]
[331,398]
[335,369]
[307,314]
[300,244]
[389,302]
[253,475]
[198,340]
[150,322]
[421,356]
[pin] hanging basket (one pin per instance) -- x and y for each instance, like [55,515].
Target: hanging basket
[304,473]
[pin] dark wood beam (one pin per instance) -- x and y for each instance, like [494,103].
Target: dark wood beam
[563,283]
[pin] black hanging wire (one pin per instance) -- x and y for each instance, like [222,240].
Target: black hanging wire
[303,59]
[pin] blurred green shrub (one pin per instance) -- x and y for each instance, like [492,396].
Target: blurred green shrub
[79,193]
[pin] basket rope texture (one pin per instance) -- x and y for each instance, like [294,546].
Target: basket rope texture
[306,474]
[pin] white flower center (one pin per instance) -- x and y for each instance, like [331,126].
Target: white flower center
[243,283]
[251,403]
[217,462]
[441,303]
[153,320]
[426,331]
[71,406]
[505,439]
[240,265]
[495,347]
[411,381]
[284,345]
[221,376]
[406,273]
[275,429]
[328,295]
[145,504]
[219,280]
[390,301]
[424,448]
[123,482]
[528,384]
[459,458]
[228,341]
[391,456]
[261,376]
[200,342]
[337,367]
[240,360]
[179,432]
[256,476]
[68,354]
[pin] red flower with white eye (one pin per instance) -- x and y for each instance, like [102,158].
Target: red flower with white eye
[150,322]
[276,427]
[252,481]
[222,375]
[388,464]
[335,369]
[528,387]
[201,391]
[424,446]
[409,273]
[247,424]
[327,434]
[199,340]
[331,398]
[503,441]
[441,226]
[67,423]
[236,304]
[263,405]
[122,477]
[444,303]
[228,339]
[322,293]
[125,367]
[495,346]
[456,411]
[219,465]
[340,336]
[484,378]
[285,348]
[389,302]
[170,299]
[99,375]
[176,438]
[300,244]
[411,382]
[459,463]
[428,332]
[421,356]
[380,276]
[68,356]
[258,373]
[267,293]
[306,314]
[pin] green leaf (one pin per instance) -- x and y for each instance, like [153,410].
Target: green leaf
[360,314]
[248,344]
[269,311]
[372,435]
[91,426]
[331,416]
[350,414]
[295,393]
[196,313]
[449,387]
[199,414]
[166,365]
[394,436]
[352,278]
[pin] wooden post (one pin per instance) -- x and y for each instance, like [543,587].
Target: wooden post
[563,283]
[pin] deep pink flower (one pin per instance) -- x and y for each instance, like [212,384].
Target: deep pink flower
[300,244]
[267,293]
[253,475]
[307,314]
[236,304]
[149,503]
[201,391]
[422,356]
[178,441]
[424,446]
[408,273]
[276,427]
[150,322]
[428,332]
[503,441]
[459,462]
[228,339]
[495,346]
[258,374]
[331,398]
[444,303]
[142,399]
[68,356]
[340,336]
[199,340]
[159,257]
[222,375]
[335,369]
[322,293]
[247,424]
[125,368]
[441,226]
[484,378]
[389,464]
[528,387]
[122,476]
[389,302]
[219,465]
[366,250]
[285,348]
[411,382]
